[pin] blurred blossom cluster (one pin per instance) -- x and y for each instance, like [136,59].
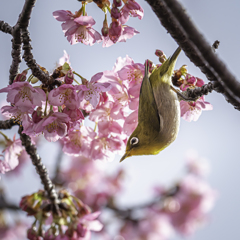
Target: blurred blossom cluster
[78,27]
[179,209]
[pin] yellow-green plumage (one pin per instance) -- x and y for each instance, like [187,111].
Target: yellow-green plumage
[158,112]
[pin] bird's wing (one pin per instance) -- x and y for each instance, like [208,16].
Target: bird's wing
[148,111]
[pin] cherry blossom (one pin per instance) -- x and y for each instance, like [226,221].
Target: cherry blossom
[65,94]
[83,32]
[92,89]
[133,8]
[191,111]
[53,126]
[24,96]
[79,142]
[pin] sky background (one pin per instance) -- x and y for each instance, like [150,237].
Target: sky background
[215,136]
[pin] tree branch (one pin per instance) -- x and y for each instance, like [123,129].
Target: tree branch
[5,27]
[8,124]
[40,168]
[174,18]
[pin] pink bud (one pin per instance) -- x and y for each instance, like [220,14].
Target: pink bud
[115,13]
[115,31]
[21,77]
[36,116]
[69,77]
[159,53]
[117,3]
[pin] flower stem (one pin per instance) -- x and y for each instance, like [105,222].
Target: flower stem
[76,81]
[84,8]
[78,75]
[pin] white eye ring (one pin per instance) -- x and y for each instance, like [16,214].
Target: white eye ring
[134,141]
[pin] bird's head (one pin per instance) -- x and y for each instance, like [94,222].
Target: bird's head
[140,143]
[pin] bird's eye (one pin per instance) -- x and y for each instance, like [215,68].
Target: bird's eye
[134,141]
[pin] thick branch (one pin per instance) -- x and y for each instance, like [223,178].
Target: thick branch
[174,18]
[40,168]
[23,21]
[5,27]
[16,54]
[8,124]
[30,61]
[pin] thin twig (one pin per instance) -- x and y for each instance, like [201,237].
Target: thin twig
[5,27]
[6,205]
[57,179]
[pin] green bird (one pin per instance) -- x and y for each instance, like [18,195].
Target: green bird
[158,112]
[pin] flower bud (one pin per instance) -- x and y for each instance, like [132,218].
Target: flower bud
[183,69]
[159,53]
[37,115]
[69,77]
[34,80]
[65,68]
[117,3]
[105,28]
[115,13]
[21,77]
[115,31]
[162,59]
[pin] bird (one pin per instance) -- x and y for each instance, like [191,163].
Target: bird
[158,111]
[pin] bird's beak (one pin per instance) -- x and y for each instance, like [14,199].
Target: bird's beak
[125,156]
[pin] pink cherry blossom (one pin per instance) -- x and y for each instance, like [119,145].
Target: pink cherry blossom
[74,114]
[66,17]
[133,8]
[191,111]
[91,92]
[64,59]
[189,207]
[130,123]
[108,127]
[88,223]
[65,94]
[12,151]
[16,113]
[83,32]
[79,142]
[53,126]
[191,82]
[24,96]
[4,166]
[107,112]
[104,148]
[120,36]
